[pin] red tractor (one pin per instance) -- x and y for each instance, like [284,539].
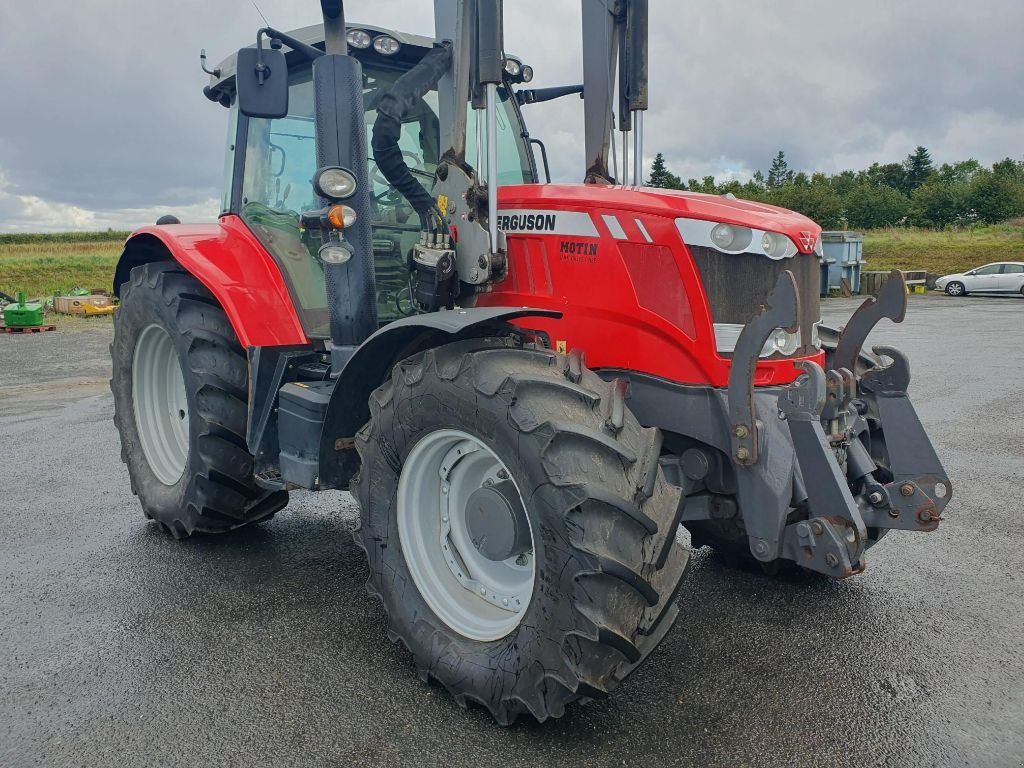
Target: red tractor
[528,387]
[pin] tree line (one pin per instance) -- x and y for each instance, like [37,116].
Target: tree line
[29,238]
[912,193]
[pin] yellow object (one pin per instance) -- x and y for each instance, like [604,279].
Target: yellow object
[91,309]
[83,305]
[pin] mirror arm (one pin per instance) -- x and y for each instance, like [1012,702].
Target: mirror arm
[305,49]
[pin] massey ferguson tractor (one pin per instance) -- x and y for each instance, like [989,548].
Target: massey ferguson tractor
[528,387]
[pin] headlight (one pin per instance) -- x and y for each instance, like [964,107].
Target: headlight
[386,45]
[735,239]
[334,252]
[334,183]
[727,237]
[527,73]
[776,246]
[359,38]
[785,342]
[780,342]
[816,335]
[513,67]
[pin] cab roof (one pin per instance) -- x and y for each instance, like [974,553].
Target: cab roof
[413,48]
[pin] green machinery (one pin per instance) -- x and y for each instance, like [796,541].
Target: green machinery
[23,314]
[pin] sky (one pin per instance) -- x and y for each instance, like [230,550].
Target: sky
[103,122]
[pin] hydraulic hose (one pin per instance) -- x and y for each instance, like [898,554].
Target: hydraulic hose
[387,129]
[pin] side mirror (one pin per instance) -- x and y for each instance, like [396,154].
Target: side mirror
[261,82]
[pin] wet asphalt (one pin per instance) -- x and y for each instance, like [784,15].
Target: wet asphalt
[120,646]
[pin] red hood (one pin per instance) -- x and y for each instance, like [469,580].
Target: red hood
[669,203]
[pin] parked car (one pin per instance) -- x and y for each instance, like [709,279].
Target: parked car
[1004,277]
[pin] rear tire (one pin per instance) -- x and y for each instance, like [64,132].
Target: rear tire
[603,522]
[955,289]
[169,327]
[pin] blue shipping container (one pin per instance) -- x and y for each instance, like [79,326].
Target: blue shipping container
[845,253]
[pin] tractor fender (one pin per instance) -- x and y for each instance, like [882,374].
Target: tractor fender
[233,265]
[348,409]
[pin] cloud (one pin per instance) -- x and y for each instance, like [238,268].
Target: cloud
[103,109]
[30,213]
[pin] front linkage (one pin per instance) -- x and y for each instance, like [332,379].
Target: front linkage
[863,462]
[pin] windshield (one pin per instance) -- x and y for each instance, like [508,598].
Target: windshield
[280,160]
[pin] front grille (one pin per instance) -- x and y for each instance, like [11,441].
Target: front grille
[737,285]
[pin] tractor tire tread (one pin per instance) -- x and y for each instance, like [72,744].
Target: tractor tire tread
[217,491]
[614,507]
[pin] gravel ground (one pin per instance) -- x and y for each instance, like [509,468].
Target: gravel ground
[120,646]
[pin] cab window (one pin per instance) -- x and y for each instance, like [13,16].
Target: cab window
[1013,269]
[280,160]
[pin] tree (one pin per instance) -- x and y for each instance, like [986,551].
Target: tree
[996,195]
[913,192]
[936,204]
[706,185]
[843,182]
[779,173]
[817,202]
[919,167]
[661,176]
[868,206]
[893,175]
[965,170]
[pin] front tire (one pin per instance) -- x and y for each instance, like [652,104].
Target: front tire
[180,385]
[602,521]
[955,289]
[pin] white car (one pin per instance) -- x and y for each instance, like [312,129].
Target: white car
[1004,277]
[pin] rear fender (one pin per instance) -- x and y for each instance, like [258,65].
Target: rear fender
[368,368]
[228,259]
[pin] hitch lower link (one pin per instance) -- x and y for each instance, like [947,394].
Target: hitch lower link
[865,463]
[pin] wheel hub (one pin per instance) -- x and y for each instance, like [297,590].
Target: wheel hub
[497,522]
[465,534]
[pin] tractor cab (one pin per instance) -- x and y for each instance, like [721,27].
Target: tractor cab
[271,162]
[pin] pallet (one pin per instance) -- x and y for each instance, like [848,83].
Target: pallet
[29,329]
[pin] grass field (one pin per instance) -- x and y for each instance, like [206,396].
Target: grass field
[45,268]
[942,253]
[43,265]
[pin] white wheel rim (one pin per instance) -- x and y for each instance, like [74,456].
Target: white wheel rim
[479,598]
[160,404]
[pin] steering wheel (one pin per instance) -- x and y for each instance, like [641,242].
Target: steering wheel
[391,196]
